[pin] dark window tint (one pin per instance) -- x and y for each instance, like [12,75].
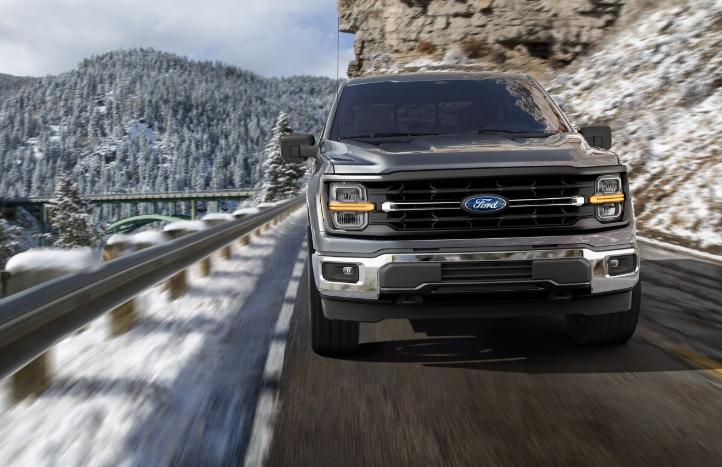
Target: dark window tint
[443,107]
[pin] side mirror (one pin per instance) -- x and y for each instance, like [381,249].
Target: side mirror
[297,148]
[597,136]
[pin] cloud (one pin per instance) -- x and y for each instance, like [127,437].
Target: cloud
[270,37]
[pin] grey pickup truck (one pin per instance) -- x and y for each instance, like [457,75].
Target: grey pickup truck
[464,195]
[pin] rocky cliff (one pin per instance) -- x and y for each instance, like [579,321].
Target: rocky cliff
[420,35]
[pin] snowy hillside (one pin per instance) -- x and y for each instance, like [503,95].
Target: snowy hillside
[143,120]
[659,85]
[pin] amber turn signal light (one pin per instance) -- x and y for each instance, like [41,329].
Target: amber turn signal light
[601,199]
[351,207]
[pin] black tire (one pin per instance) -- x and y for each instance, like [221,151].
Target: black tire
[609,329]
[327,336]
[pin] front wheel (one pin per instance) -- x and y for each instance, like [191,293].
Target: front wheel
[327,336]
[612,328]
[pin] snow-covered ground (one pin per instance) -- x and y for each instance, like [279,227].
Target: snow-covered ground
[180,388]
[659,85]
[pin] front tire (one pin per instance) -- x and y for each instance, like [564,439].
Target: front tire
[608,329]
[327,336]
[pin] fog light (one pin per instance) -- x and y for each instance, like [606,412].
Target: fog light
[618,265]
[349,219]
[609,211]
[340,272]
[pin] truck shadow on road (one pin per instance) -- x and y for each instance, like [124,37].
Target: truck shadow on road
[682,300]
[519,345]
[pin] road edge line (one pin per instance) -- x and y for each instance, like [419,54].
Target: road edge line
[708,365]
[672,248]
[268,405]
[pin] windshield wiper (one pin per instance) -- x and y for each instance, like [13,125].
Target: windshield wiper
[386,134]
[517,133]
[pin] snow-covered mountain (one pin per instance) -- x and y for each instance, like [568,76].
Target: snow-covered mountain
[659,85]
[144,120]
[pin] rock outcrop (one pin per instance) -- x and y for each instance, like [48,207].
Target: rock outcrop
[413,35]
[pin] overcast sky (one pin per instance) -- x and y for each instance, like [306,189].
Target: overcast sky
[270,37]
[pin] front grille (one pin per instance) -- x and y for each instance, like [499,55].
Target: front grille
[467,271]
[545,201]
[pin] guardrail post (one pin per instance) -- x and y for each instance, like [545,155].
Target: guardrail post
[122,318]
[205,267]
[33,378]
[226,252]
[178,285]
[244,240]
[4,277]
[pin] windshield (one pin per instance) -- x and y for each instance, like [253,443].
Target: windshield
[444,107]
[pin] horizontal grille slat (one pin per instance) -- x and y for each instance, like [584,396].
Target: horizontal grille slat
[495,190]
[486,218]
[486,271]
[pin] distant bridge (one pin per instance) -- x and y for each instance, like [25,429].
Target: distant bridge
[135,219]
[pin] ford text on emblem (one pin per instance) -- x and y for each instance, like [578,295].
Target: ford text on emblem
[484,204]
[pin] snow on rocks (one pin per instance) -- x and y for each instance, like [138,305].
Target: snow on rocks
[245,212]
[659,85]
[119,239]
[218,216]
[151,237]
[185,225]
[51,259]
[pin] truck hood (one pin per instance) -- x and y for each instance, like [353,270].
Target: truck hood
[463,152]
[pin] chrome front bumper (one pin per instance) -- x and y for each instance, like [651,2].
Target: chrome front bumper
[368,286]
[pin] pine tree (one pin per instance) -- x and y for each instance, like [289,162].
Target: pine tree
[280,178]
[71,216]
[9,239]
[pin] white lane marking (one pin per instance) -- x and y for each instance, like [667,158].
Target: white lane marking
[268,404]
[274,362]
[284,317]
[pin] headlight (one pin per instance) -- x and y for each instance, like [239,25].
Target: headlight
[609,184]
[348,206]
[609,197]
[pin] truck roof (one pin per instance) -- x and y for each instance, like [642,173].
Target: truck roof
[436,77]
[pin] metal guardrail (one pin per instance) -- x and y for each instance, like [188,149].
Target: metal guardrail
[33,321]
[180,195]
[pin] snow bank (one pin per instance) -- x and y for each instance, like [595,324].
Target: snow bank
[185,225]
[48,258]
[151,237]
[266,205]
[246,212]
[218,216]
[659,85]
[116,239]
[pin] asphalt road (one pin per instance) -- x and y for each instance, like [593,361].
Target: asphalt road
[512,392]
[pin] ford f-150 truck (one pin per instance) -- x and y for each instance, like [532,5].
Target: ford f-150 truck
[464,195]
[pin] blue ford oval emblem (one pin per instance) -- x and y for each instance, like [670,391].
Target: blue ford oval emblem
[484,204]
